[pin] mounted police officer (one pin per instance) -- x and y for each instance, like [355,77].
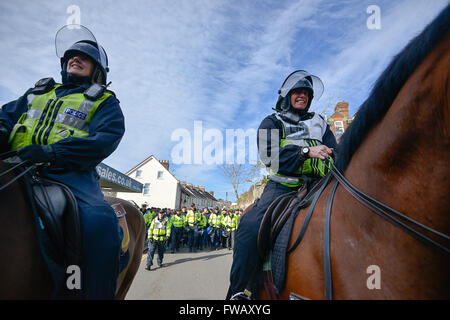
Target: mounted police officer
[73,126]
[293,144]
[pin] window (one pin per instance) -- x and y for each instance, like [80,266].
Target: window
[138,173]
[339,127]
[160,174]
[147,188]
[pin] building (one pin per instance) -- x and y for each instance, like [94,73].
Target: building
[196,195]
[161,189]
[340,120]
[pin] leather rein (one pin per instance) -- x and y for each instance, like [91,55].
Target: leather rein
[377,207]
[10,154]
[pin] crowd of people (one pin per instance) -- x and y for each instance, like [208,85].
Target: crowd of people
[205,229]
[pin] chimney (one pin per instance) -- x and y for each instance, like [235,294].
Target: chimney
[342,107]
[211,193]
[183,183]
[202,188]
[165,164]
[189,185]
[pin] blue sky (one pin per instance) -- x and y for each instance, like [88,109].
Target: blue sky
[219,62]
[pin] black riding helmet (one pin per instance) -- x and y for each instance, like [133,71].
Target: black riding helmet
[95,52]
[296,80]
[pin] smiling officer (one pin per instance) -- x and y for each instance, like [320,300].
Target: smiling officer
[73,126]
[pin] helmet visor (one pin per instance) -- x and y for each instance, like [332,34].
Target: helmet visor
[73,33]
[298,75]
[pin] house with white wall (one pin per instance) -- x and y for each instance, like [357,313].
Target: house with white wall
[161,189]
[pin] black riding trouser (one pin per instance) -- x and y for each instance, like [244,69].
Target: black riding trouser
[245,254]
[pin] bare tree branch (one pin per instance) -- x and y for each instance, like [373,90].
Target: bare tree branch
[238,174]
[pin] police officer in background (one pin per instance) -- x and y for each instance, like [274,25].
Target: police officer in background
[201,226]
[225,228]
[293,144]
[233,227]
[178,224]
[191,225]
[158,234]
[143,208]
[214,221]
[73,126]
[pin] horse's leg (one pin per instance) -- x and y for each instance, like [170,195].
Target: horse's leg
[136,226]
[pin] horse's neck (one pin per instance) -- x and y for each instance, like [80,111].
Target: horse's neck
[404,160]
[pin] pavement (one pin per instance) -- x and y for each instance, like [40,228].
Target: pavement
[201,275]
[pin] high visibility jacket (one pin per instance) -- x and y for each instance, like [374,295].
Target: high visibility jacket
[178,221]
[226,222]
[191,218]
[215,220]
[296,134]
[49,119]
[148,217]
[159,230]
[234,222]
[202,221]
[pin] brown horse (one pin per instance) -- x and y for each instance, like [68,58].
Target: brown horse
[23,273]
[397,150]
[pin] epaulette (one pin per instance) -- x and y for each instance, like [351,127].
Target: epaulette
[96,91]
[44,85]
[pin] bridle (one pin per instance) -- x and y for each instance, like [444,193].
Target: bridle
[377,207]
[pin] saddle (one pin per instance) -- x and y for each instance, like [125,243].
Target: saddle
[275,231]
[60,230]
[58,215]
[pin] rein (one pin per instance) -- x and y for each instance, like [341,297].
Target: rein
[10,154]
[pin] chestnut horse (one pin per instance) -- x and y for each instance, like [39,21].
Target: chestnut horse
[23,272]
[397,150]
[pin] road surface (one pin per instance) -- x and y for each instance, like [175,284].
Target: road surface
[201,275]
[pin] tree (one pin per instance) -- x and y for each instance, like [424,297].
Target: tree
[239,174]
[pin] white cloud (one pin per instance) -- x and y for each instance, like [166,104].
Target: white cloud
[221,62]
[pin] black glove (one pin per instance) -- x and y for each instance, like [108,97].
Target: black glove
[4,137]
[37,153]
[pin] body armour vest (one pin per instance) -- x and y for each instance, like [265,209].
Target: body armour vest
[50,119]
[307,132]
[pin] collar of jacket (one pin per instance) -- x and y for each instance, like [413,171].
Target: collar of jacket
[293,117]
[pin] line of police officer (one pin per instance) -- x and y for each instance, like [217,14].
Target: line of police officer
[196,229]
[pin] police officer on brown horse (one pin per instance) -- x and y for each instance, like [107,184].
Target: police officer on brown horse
[293,144]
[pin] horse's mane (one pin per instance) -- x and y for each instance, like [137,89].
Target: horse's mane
[388,85]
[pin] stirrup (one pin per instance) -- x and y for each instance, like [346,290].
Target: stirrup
[243,295]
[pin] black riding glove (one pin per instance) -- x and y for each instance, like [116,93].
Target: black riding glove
[4,137]
[37,153]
